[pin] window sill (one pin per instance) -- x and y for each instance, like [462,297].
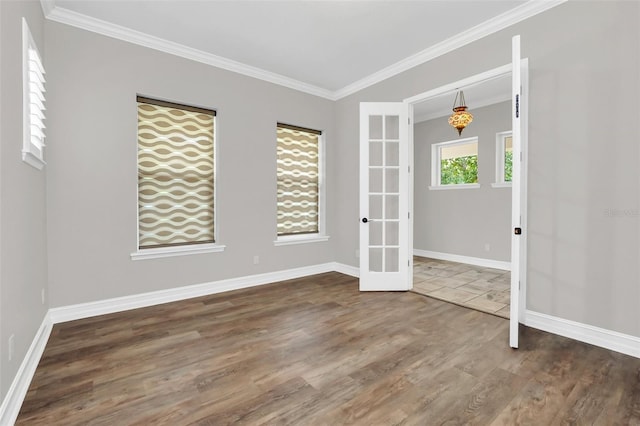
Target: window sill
[33,160]
[501,185]
[300,239]
[158,253]
[455,186]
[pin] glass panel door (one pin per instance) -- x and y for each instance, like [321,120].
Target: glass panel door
[384,197]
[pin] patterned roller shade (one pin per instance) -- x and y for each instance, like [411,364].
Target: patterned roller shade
[175,174]
[297,180]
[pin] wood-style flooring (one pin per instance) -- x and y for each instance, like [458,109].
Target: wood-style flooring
[317,351]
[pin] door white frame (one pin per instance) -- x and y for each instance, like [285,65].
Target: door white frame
[502,71]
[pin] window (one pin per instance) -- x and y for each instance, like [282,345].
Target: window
[504,159]
[454,164]
[175,178]
[33,101]
[299,184]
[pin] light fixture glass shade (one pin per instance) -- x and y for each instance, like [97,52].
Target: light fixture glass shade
[460,117]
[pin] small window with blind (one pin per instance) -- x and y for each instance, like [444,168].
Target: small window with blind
[33,101]
[176,172]
[300,189]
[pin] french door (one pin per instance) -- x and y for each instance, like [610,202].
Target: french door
[518,187]
[384,197]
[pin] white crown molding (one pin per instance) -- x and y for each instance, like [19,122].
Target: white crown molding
[504,20]
[69,17]
[500,22]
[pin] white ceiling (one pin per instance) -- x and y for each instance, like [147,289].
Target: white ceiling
[327,48]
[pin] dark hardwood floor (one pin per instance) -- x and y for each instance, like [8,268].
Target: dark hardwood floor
[317,351]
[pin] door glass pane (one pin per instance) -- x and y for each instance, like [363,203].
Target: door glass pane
[375,206]
[375,153]
[375,127]
[375,259]
[391,207]
[392,127]
[375,180]
[392,182]
[375,233]
[391,233]
[392,261]
[392,157]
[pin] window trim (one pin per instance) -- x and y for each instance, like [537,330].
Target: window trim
[157,253]
[321,235]
[500,151]
[187,248]
[436,164]
[32,154]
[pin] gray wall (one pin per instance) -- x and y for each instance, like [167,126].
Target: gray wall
[462,221]
[584,188]
[92,192]
[23,258]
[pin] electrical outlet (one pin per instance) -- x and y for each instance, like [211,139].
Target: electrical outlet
[11,345]
[256,260]
[42,296]
[487,247]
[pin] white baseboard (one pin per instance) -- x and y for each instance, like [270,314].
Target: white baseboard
[478,261]
[623,343]
[119,304]
[15,395]
[353,271]
[18,390]
[12,402]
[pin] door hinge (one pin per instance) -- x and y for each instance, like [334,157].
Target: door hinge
[517,106]
[408,215]
[408,169]
[520,156]
[408,263]
[408,120]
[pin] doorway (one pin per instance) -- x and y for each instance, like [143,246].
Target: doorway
[386,158]
[462,198]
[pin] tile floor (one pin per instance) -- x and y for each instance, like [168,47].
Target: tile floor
[476,287]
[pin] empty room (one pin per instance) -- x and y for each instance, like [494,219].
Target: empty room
[319,212]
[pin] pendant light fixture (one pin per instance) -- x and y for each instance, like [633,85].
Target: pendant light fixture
[460,117]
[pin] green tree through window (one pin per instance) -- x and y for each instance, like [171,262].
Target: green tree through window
[460,170]
[508,166]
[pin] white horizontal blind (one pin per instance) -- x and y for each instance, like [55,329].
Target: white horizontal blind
[34,101]
[175,174]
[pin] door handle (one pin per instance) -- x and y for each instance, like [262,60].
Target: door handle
[365,220]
